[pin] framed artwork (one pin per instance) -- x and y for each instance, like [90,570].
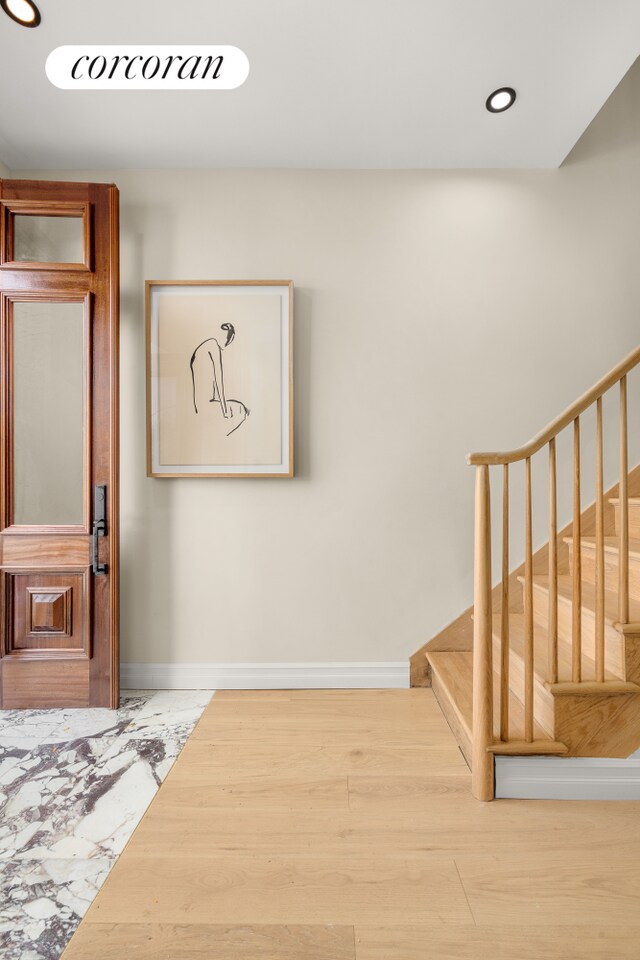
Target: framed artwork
[219,378]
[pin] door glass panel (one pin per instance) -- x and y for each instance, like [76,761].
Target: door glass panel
[48,413]
[48,239]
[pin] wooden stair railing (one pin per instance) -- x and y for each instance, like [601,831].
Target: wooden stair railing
[484,742]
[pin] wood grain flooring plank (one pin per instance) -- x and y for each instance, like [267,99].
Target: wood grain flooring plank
[342,699]
[400,696]
[419,941]
[204,762]
[326,731]
[260,793]
[266,735]
[551,889]
[189,833]
[185,829]
[301,719]
[406,793]
[163,941]
[276,890]
[449,801]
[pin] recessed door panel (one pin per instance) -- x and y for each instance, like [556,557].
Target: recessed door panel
[59,444]
[47,614]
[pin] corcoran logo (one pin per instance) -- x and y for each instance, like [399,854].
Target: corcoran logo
[147,67]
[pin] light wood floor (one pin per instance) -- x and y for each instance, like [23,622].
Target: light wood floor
[339,825]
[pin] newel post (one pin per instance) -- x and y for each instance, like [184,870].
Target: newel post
[482,761]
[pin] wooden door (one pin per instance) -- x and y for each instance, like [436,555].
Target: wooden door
[59,448]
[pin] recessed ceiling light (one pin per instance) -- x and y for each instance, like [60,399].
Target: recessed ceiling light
[24,12]
[500,100]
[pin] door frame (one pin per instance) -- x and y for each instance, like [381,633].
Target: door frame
[96,281]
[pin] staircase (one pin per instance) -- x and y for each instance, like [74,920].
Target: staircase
[547,662]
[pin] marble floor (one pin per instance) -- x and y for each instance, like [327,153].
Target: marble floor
[73,786]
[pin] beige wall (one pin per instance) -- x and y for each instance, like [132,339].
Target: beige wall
[436,312]
[4,170]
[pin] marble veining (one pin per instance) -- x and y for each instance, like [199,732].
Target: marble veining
[73,786]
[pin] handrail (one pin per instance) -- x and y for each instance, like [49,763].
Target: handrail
[569,415]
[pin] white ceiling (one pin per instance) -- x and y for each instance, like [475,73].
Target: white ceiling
[333,83]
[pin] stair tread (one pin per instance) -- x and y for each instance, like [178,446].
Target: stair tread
[455,672]
[517,632]
[611,612]
[634,500]
[610,544]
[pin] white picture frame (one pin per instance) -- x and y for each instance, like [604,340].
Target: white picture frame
[219,378]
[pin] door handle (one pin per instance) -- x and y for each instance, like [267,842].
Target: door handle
[99,524]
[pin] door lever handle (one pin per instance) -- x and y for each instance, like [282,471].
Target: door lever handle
[99,524]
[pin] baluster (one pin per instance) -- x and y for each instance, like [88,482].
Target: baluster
[504,613]
[576,617]
[528,615]
[553,565]
[482,760]
[623,537]
[599,546]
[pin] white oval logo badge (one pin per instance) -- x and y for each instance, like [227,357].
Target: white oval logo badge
[144,67]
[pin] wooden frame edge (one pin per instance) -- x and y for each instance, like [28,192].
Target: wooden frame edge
[147,348]
[72,209]
[113,496]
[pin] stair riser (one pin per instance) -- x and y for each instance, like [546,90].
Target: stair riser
[611,576]
[634,520]
[543,700]
[598,726]
[613,641]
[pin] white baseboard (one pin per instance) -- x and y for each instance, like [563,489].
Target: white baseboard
[567,778]
[263,676]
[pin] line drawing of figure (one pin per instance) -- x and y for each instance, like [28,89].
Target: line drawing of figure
[207,373]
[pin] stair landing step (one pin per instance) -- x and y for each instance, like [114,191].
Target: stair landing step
[452,674]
